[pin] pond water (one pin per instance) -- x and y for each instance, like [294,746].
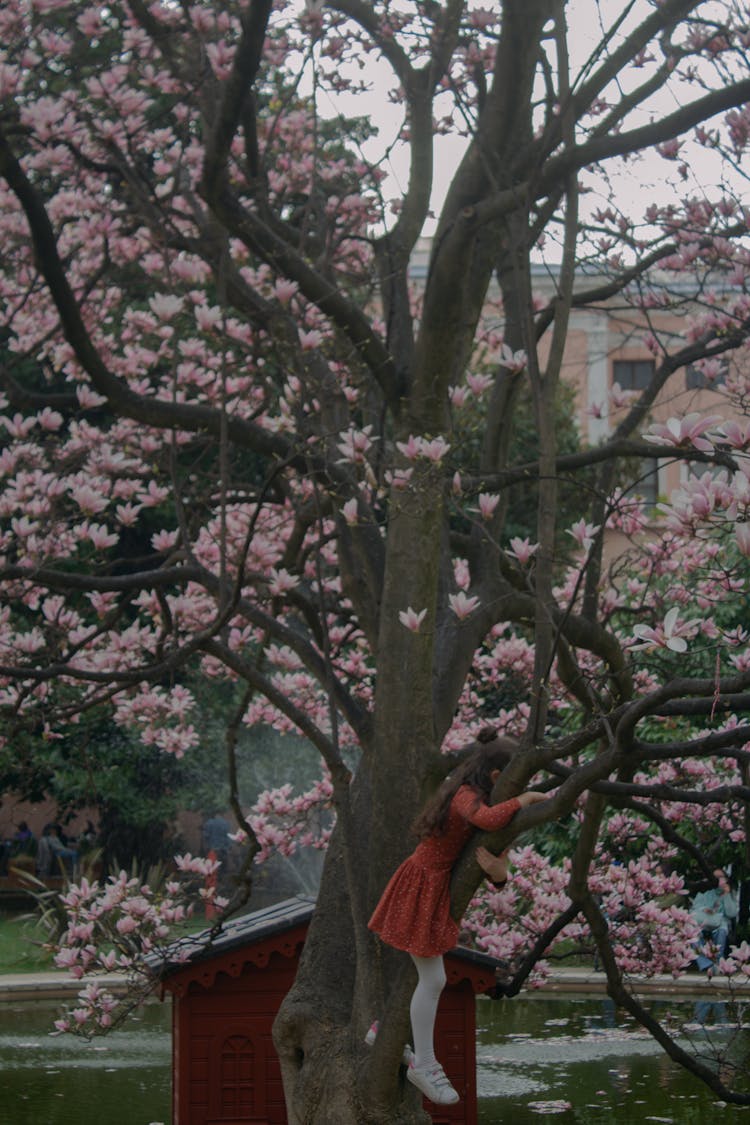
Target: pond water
[556,1059]
[571,1059]
[120,1079]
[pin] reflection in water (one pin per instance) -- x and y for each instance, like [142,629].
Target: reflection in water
[58,1080]
[710,1011]
[569,1059]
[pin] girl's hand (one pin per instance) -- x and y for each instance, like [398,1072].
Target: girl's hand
[531,798]
[495,866]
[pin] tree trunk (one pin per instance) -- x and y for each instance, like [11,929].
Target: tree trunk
[330,1076]
[347,977]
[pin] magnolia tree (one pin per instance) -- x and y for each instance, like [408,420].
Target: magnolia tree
[242,441]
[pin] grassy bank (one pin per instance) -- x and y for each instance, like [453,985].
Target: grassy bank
[21,940]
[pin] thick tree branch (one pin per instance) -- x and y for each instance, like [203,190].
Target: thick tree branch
[279,254]
[235,90]
[646,136]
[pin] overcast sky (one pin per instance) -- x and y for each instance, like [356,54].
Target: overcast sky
[638,184]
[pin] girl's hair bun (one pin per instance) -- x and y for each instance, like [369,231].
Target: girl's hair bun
[487,734]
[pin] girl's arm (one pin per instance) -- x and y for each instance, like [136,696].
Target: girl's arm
[487,817]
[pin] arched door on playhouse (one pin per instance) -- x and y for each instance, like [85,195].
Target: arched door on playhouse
[227,1074]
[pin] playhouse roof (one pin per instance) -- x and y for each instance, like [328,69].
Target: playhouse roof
[281,928]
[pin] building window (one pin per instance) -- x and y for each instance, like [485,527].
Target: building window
[633,374]
[647,485]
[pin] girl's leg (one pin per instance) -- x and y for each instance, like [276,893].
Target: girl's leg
[424,1003]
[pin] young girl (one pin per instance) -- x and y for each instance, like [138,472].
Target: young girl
[414,911]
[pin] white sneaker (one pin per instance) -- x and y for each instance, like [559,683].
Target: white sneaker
[372,1034]
[434,1084]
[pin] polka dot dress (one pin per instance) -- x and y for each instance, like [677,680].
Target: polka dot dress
[414,910]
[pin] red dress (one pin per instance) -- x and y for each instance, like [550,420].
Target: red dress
[414,910]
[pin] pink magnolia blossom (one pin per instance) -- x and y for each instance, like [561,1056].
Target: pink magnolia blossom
[482,18]
[127,514]
[18,426]
[165,540]
[462,573]
[488,502]
[126,925]
[196,865]
[165,306]
[410,449]
[669,149]
[153,495]
[398,479]
[583,533]
[462,605]
[49,420]
[683,431]
[515,362]
[411,619]
[742,538]
[284,290]
[101,537]
[523,550]
[713,370]
[281,581]
[310,339]
[435,450]
[478,384]
[89,500]
[620,398]
[208,318]
[670,634]
[354,444]
[736,433]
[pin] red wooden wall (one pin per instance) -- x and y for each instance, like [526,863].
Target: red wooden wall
[225,1067]
[455,1046]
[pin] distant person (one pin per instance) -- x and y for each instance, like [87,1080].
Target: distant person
[87,839]
[215,838]
[59,847]
[23,841]
[714,910]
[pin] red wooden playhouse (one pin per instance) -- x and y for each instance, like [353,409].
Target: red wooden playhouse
[225,1069]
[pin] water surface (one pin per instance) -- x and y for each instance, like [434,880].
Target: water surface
[555,1059]
[573,1059]
[120,1079]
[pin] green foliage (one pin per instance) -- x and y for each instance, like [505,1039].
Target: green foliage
[96,765]
[138,790]
[556,839]
[469,424]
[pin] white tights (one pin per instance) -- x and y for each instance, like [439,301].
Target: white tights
[424,1003]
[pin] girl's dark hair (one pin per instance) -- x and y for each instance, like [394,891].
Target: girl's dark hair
[490,752]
